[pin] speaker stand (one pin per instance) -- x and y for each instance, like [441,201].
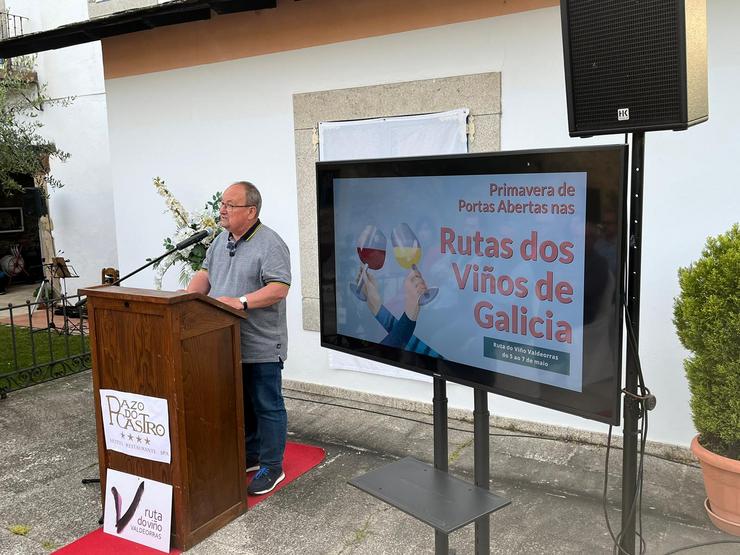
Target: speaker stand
[631,405]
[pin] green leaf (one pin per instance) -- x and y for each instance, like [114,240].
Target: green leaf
[20,529]
[22,149]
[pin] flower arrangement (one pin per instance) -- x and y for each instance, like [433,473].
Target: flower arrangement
[191,258]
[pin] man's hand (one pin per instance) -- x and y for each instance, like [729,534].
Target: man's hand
[372,292]
[233,302]
[414,287]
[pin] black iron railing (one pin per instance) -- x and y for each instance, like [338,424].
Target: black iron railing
[41,341]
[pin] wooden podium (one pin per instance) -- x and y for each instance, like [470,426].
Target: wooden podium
[185,348]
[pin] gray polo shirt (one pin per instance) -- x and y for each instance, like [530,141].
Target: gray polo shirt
[261,257]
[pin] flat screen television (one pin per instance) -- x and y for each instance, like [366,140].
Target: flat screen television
[503,271]
[11,220]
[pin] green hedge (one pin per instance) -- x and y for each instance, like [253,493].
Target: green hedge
[707,318]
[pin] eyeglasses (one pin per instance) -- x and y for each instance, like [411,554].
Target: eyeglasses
[229,207]
[231,247]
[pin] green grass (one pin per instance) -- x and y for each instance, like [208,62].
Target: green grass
[48,346]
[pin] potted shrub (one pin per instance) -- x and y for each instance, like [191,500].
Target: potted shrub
[707,318]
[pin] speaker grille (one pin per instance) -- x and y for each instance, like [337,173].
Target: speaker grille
[624,54]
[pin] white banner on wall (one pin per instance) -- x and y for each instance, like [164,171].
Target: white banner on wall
[136,425]
[138,510]
[422,135]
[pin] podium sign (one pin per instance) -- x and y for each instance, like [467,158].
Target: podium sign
[136,425]
[138,510]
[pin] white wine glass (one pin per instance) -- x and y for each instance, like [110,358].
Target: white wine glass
[407,250]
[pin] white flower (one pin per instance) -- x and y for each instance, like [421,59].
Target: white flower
[185,226]
[174,206]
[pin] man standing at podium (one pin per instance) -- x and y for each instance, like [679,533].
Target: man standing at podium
[248,267]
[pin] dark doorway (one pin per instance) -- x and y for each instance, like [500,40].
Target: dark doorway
[19,232]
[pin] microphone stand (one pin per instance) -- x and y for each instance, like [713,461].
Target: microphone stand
[145,266]
[192,240]
[82,302]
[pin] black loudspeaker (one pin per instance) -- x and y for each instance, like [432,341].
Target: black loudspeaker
[634,65]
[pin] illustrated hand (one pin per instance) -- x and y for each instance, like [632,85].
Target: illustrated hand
[414,287]
[372,292]
[233,302]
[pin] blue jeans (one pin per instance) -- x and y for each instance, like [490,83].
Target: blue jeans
[265,419]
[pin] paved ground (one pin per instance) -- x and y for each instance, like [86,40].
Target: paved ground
[47,445]
[18,294]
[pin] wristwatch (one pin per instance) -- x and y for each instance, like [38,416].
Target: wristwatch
[243,300]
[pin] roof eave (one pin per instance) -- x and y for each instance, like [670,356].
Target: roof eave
[130,21]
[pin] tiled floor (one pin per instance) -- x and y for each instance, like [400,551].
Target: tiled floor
[18,294]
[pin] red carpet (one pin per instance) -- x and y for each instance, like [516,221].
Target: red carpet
[298,460]
[99,542]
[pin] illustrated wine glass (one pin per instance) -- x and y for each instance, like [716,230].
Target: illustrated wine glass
[407,250]
[371,246]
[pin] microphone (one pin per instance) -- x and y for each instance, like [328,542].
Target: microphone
[196,238]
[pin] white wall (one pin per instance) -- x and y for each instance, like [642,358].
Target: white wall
[82,211]
[203,127]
